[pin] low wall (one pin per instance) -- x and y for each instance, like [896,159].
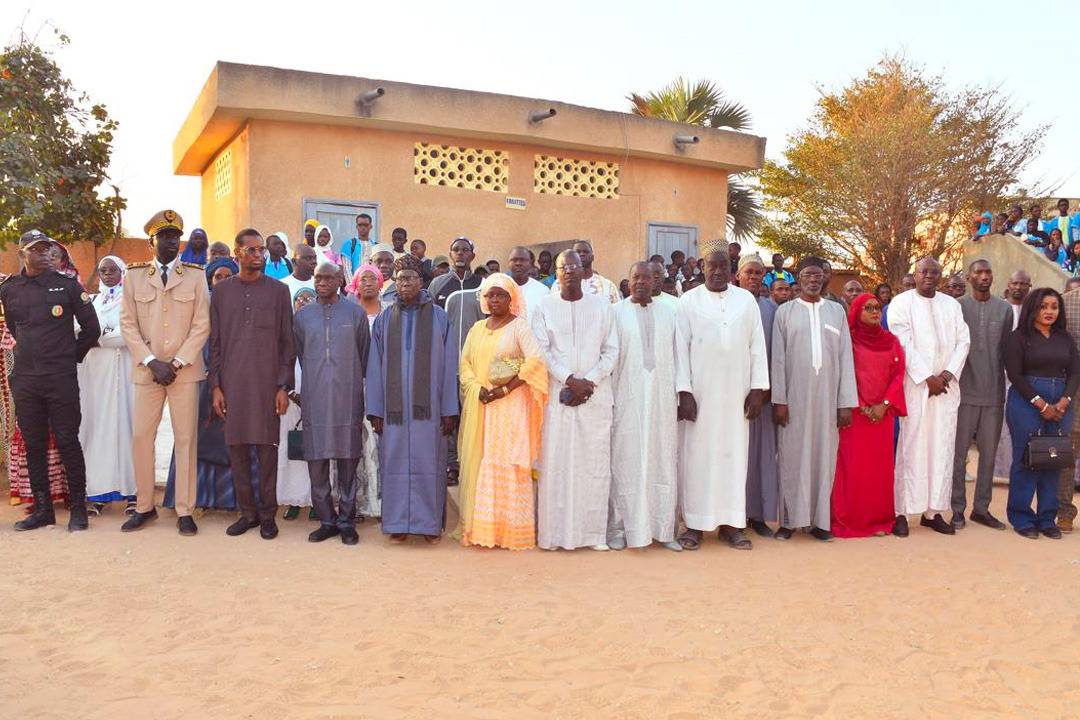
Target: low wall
[1007,254]
[86,256]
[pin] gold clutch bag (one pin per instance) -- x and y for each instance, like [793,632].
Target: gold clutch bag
[503,370]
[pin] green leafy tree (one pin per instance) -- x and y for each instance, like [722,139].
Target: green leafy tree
[704,104]
[894,167]
[54,152]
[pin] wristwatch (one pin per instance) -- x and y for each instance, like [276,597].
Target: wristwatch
[177,365]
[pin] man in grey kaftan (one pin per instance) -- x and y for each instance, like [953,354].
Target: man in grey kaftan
[332,346]
[412,402]
[813,391]
[762,479]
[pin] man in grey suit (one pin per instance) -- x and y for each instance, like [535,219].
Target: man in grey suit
[982,394]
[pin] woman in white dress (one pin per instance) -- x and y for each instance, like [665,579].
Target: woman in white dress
[293,480]
[365,288]
[106,394]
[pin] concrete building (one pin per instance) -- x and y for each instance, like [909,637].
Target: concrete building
[274,147]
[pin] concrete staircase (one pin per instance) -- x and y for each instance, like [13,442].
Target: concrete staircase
[1007,254]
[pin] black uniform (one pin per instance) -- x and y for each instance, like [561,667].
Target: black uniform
[40,313]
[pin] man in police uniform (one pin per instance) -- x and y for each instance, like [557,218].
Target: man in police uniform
[165,321]
[40,306]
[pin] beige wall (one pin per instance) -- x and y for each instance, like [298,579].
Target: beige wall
[223,217]
[277,164]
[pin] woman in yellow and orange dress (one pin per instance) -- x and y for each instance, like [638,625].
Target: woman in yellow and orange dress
[499,438]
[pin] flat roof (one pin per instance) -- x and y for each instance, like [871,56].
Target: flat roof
[235,93]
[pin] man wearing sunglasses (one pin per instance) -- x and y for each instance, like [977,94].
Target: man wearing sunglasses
[251,372]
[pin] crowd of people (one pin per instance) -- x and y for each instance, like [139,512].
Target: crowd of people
[1058,236]
[361,379]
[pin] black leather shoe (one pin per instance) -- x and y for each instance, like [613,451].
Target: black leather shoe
[1030,533]
[988,520]
[822,535]
[938,524]
[900,528]
[350,537]
[783,533]
[268,529]
[760,528]
[136,521]
[241,526]
[186,525]
[958,521]
[78,520]
[323,532]
[1051,532]
[42,515]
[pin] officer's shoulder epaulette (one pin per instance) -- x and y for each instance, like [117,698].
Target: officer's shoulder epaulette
[138,265]
[193,266]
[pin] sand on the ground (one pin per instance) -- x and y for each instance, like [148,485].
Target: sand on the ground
[152,625]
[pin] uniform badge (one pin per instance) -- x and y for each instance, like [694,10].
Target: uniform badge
[57,310]
[85,298]
[170,216]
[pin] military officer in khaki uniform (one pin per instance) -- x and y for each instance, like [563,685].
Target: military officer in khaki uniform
[165,321]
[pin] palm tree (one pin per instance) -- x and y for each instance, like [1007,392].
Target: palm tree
[704,104]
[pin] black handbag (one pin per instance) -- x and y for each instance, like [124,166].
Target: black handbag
[295,443]
[1049,452]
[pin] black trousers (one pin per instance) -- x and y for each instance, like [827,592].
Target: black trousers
[240,462]
[321,496]
[51,401]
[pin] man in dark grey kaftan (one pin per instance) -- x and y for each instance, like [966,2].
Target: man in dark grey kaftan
[332,346]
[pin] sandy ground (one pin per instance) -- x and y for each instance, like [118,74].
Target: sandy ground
[152,625]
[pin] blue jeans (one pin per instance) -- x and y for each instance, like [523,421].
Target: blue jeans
[1024,483]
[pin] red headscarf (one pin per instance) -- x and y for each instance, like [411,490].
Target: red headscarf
[872,337]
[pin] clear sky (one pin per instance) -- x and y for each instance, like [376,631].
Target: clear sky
[147,61]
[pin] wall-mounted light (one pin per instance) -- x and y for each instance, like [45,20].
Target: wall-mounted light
[371,96]
[681,141]
[537,116]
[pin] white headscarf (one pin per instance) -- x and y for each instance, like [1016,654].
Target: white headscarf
[284,239]
[325,253]
[109,296]
[280,234]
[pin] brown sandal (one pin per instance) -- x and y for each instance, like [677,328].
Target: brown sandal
[398,538]
[690,540]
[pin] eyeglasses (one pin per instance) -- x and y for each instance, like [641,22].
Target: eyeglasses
[252,250]
[568,268]
[407,277]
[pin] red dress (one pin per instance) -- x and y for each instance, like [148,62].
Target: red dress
[862,495]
